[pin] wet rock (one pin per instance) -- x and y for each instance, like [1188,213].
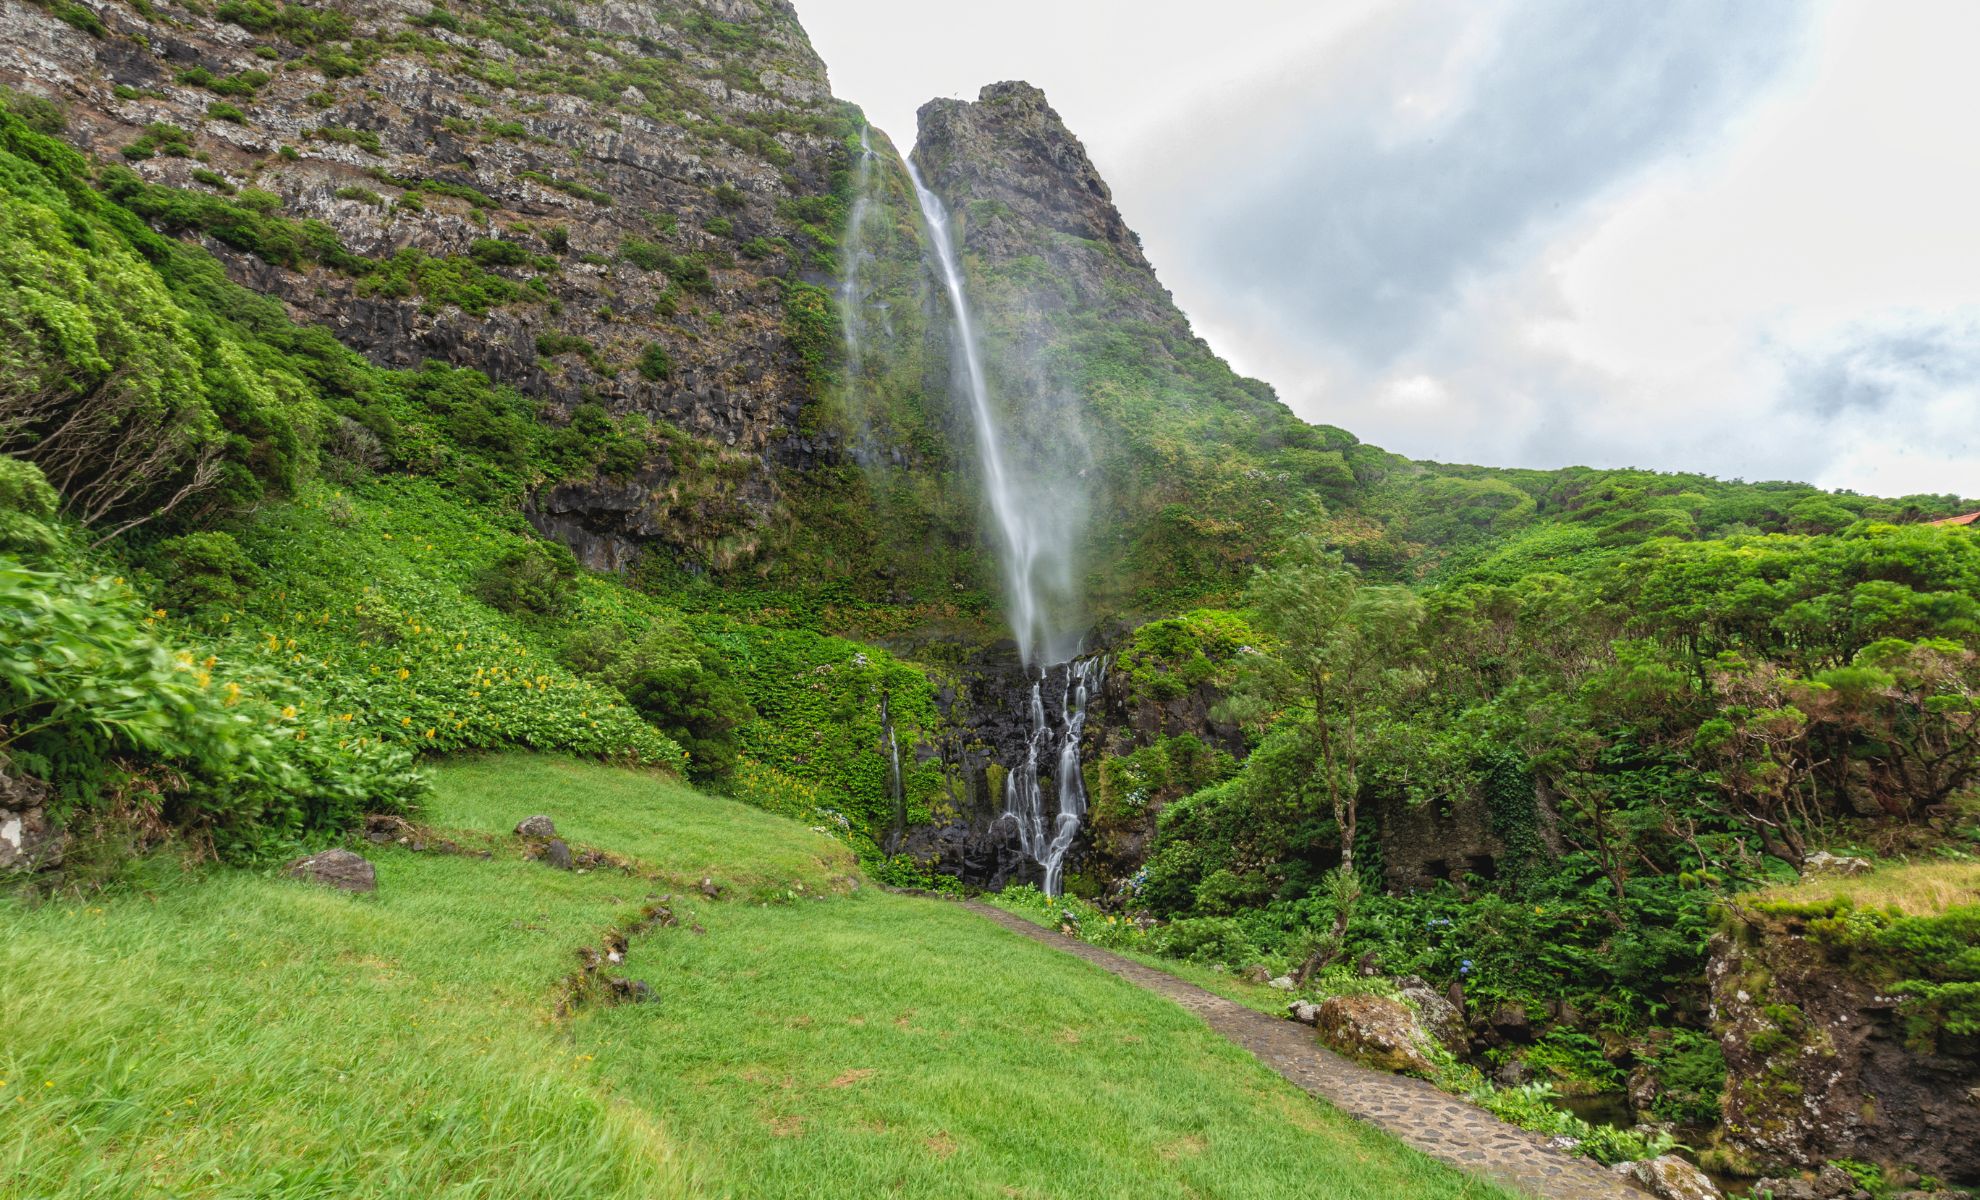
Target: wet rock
[1510,1021]
[1829,1183]
[1672,1178]
[558,855]
[537,827]
[1513,1073]
[1306,1012]
[1824,863]
[1439,1018]
[336,868]
[28,839]
[1375,1030]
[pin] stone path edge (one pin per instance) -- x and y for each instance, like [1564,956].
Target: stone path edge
[1413,1111]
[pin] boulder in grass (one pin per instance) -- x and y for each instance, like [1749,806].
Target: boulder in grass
[538,826]
[338,869]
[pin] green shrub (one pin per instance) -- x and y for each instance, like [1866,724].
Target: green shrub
[82,18]
[536,578]
[655,363]
[493,252]
[365,139]
[89,693]
[214,180]
[681,686]
[201,569]
[220,110]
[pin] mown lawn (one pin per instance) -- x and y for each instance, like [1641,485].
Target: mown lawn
[232,1034]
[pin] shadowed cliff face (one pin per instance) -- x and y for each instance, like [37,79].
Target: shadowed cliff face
[591,202]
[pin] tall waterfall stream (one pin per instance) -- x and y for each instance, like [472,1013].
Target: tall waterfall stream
[1025,532]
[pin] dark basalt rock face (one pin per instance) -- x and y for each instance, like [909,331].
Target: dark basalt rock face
[1022,185]
[697,128]
[1819,1066]
[990,723]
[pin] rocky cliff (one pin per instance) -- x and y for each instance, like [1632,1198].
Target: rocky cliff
[597,203]
[1188,468]
[1822,1062]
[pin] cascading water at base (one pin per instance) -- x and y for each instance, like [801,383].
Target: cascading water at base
[1024,799]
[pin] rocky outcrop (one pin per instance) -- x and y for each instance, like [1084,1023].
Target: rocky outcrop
[1671,1178]
[635,183]
[1819,1065]
[1376,1031]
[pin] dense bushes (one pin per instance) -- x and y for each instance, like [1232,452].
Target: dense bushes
[97,702]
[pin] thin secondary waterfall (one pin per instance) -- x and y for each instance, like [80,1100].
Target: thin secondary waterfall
[852,290]
[1035,536]
[1017,529]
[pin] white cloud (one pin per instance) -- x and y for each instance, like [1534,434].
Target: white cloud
[1533,233]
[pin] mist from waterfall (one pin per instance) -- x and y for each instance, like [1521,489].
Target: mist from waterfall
[1031,484]
[853,300]
[1038,510]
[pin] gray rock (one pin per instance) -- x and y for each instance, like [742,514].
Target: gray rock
[1256,973]
[1284,983]
[1509,1021]
[336,868]
[1824,863]
[557,854]
[28,839]
[1830,1183]
[1306,1012]
[1438,1016]
[1672,1178]
[1377,1031]
[538,826]
[1513,1073]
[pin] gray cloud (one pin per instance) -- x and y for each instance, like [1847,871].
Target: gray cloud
[1886,368]
[1368,226]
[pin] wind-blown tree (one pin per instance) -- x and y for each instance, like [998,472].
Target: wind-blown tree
[1342,651]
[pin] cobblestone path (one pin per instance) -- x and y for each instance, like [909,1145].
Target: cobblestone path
[1437,1123]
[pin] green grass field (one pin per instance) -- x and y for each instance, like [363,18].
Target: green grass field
[233,1034]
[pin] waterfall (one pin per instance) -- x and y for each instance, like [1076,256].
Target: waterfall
[1018,529]
[852,295]
[1024,795]
[1037,512]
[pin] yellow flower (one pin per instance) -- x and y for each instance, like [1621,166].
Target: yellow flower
[403,721]
[289,712]
[159,613]
[403,673]
[429,733]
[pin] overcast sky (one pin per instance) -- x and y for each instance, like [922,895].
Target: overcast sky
[1736,236]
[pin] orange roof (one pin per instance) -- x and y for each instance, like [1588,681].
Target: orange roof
[1968,519]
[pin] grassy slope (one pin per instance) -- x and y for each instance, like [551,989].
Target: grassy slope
[229,1034]
[1916,890]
